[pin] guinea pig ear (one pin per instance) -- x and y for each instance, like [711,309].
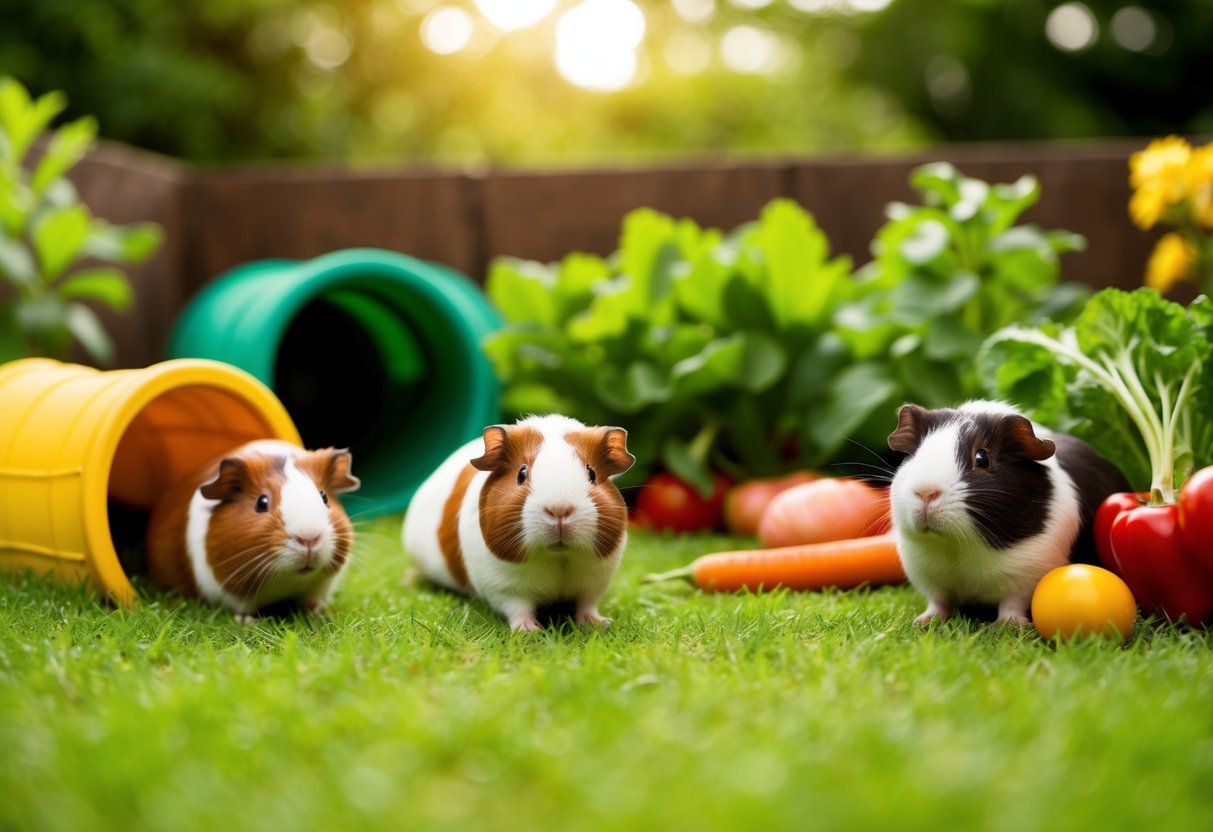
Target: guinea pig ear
[231,481]
[1021,440]
[337,471]
[911,426]
[614,452]
[496,442]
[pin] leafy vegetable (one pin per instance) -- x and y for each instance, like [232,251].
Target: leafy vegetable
[950,272]
[757,353]
[45,231]
[1132,376]
[709,341]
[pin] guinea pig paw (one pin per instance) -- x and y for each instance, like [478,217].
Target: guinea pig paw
[527,623]
[1013,619]
[592,618]
[935,610]
[245,618]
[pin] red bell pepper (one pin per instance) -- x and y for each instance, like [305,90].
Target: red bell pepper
[1163,552]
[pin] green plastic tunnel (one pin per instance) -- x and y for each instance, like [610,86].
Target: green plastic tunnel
[367,349]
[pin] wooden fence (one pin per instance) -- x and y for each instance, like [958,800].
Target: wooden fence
[216,219]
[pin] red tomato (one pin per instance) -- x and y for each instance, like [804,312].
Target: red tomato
[745,503]
[1157,566]
[666,502]
[1196,516]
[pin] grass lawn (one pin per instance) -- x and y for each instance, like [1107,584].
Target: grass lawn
[409,708]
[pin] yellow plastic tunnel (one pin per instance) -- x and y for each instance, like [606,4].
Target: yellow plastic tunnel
[75,442]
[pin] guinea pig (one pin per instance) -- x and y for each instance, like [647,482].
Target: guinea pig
[987,503]
[258,526]
[525,517]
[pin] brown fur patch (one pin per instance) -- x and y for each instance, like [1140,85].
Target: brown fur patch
[167,559]
[502,498]
[448,528]
[240,541]
[606,451]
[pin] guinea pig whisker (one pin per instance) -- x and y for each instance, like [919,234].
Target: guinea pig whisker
[884,475]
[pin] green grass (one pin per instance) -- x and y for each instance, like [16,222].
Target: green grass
[410,708]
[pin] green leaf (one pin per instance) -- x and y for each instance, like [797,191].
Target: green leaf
[798,288]
[749,361]
[973,195]
[86,328]
[16,204]
[647,252]
[123,243]
[677,458]
[42,320]
[104,285]
[70,143]
[12,345]
[855,394]
[522,291]
[607,317]
[23,119]
[16,263]
[700,289]
[630,391]
[938,182]
[520,400]
[576,279]
[59,239]
[927,242]
[1007,202]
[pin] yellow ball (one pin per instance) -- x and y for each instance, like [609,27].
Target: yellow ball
[1080,599]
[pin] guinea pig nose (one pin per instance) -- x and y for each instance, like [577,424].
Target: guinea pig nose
[927,493]
[560,512]
[307,542]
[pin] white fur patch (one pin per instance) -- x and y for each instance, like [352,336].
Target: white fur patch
[559,481]
[197,525]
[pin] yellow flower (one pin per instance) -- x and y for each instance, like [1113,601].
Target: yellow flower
[1170,262]
[1147,204]
[1163,162]
[1159,176]
[1199,183]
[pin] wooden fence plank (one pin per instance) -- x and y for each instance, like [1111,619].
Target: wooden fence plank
[544,216]
[217,219]
[242,215]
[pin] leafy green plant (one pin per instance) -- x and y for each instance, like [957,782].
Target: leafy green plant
[714,346]
[753,351]
[1133,376]
[45,231]
[948,273]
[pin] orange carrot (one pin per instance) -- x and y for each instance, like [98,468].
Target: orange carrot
[842,563]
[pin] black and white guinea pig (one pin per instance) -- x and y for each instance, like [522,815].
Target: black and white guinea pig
[525,517]
[987,503]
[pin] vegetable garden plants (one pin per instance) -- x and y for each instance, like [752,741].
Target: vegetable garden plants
[1133,376]
[754,352]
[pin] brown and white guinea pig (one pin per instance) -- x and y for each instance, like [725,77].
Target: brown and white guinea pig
[525,517]
[987,503]
[258,526]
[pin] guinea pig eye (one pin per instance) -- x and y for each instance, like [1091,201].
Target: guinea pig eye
[982,458]
[324,497]
[263,504]
[522,475]
[593,474]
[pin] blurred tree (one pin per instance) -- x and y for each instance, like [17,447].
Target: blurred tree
[1025,69]
[438,80]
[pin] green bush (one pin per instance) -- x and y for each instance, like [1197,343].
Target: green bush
[45,230]
[754,352]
